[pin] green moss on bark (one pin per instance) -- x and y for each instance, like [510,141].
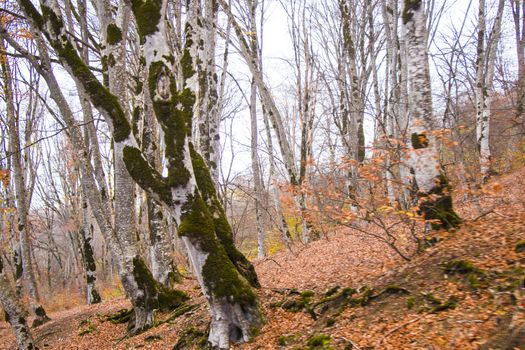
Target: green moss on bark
[437,207]
[114,34]
[222,227]
[147,14]
[156,295]
[99,95]
[147,177]
[220,275]
[174,122]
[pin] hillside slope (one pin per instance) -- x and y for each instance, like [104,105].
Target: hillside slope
[347,292]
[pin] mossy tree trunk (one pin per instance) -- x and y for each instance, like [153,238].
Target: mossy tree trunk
[233,305]
[142,289]
[15,313]
[161,260]
[431,187]
[207,115]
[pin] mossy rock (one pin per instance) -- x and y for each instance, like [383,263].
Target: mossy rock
[286,340]
[192,337]
[450,304]
[321,341]
[461,267]
[332,291]
[121,316]
[300,301]
[436,305]
[392,290]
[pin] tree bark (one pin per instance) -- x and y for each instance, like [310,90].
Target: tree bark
[485,62]
[235,311]
[256,170]
[22,204]
[15,314]
[431,186]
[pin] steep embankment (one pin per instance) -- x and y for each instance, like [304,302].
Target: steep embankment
[346,291]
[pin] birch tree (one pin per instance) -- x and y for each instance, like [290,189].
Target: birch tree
[430,184]
[485,63]
[256,166]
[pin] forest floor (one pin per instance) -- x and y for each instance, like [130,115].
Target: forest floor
[346,291]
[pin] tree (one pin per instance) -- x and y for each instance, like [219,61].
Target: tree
[485,62]
[22,198]
[15,313]
[187,190]
[430,184]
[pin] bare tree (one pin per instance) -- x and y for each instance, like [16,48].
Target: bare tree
[234,307]
[15,313]
[485,63]
[22,198]
[430,184]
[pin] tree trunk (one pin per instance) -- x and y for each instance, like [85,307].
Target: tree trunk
[15,314]
[256,170]
[90,267]
[430,183]
[485,62]
[22,205]
[234,306]
[274,187]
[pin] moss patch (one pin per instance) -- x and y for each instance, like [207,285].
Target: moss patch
[87,330]
[147,177]
[121,316]
[285,340]
[520,247]
[147,14]
[321,341]
[190,338]
[461,267]
[114,34]
[436,206]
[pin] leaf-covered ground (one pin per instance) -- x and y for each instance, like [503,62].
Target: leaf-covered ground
[346,291]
